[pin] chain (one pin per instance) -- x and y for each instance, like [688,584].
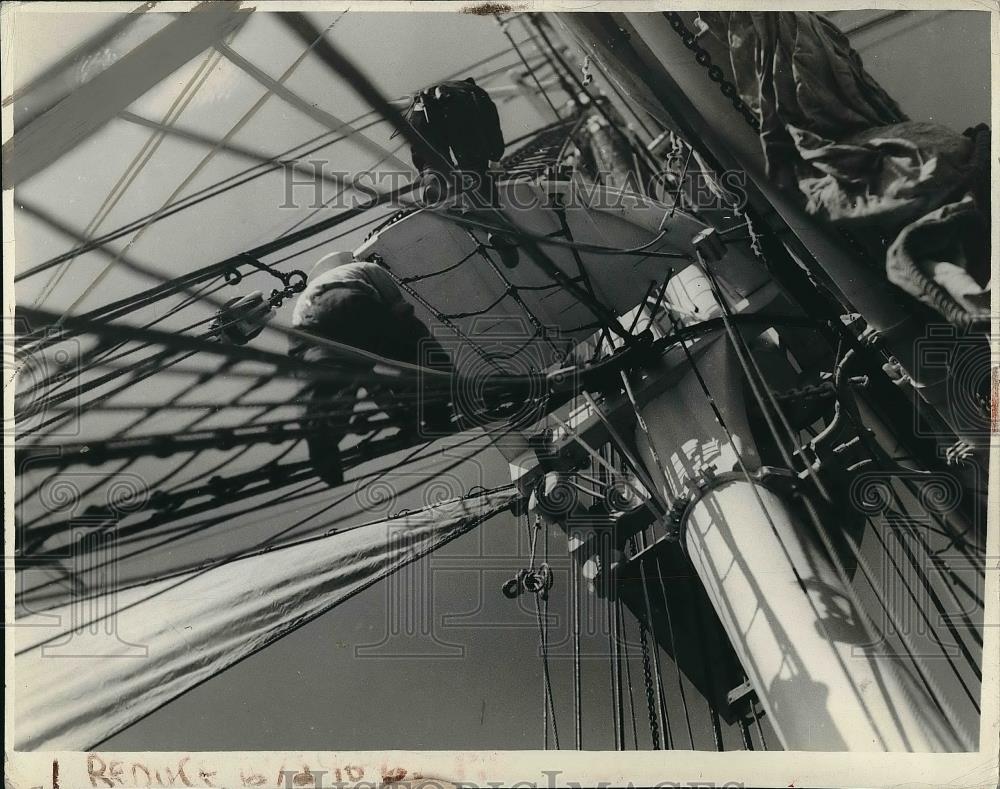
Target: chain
[729,90]
[293,281]
[647,675]
[715,73]
[808,394]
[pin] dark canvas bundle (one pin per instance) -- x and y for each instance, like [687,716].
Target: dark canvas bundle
[913,190]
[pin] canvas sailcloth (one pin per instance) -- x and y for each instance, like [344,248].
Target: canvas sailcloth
[86,669]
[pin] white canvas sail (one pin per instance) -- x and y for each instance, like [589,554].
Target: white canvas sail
[91,667]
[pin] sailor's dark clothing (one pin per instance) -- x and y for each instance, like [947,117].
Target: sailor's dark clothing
[460,121]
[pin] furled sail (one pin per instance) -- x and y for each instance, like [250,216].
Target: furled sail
[88,668]
[831,130]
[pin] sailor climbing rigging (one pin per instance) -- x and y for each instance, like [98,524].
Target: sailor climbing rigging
[357,303]
[460,121]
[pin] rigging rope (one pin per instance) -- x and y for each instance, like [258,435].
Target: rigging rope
[541,618]
[170,511]
[512,290]
[676,654]
[611,613]
[547,54]
[709,672]
[351,185]
[617,693]
[548,240]
[530,70]
[136,166]
[384,369]
[276,162]
[628,682]
[574,596]
[230,133]
[102,355]
[81,388]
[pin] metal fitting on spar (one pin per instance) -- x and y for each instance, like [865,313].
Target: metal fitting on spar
[554,499]
[603,375]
